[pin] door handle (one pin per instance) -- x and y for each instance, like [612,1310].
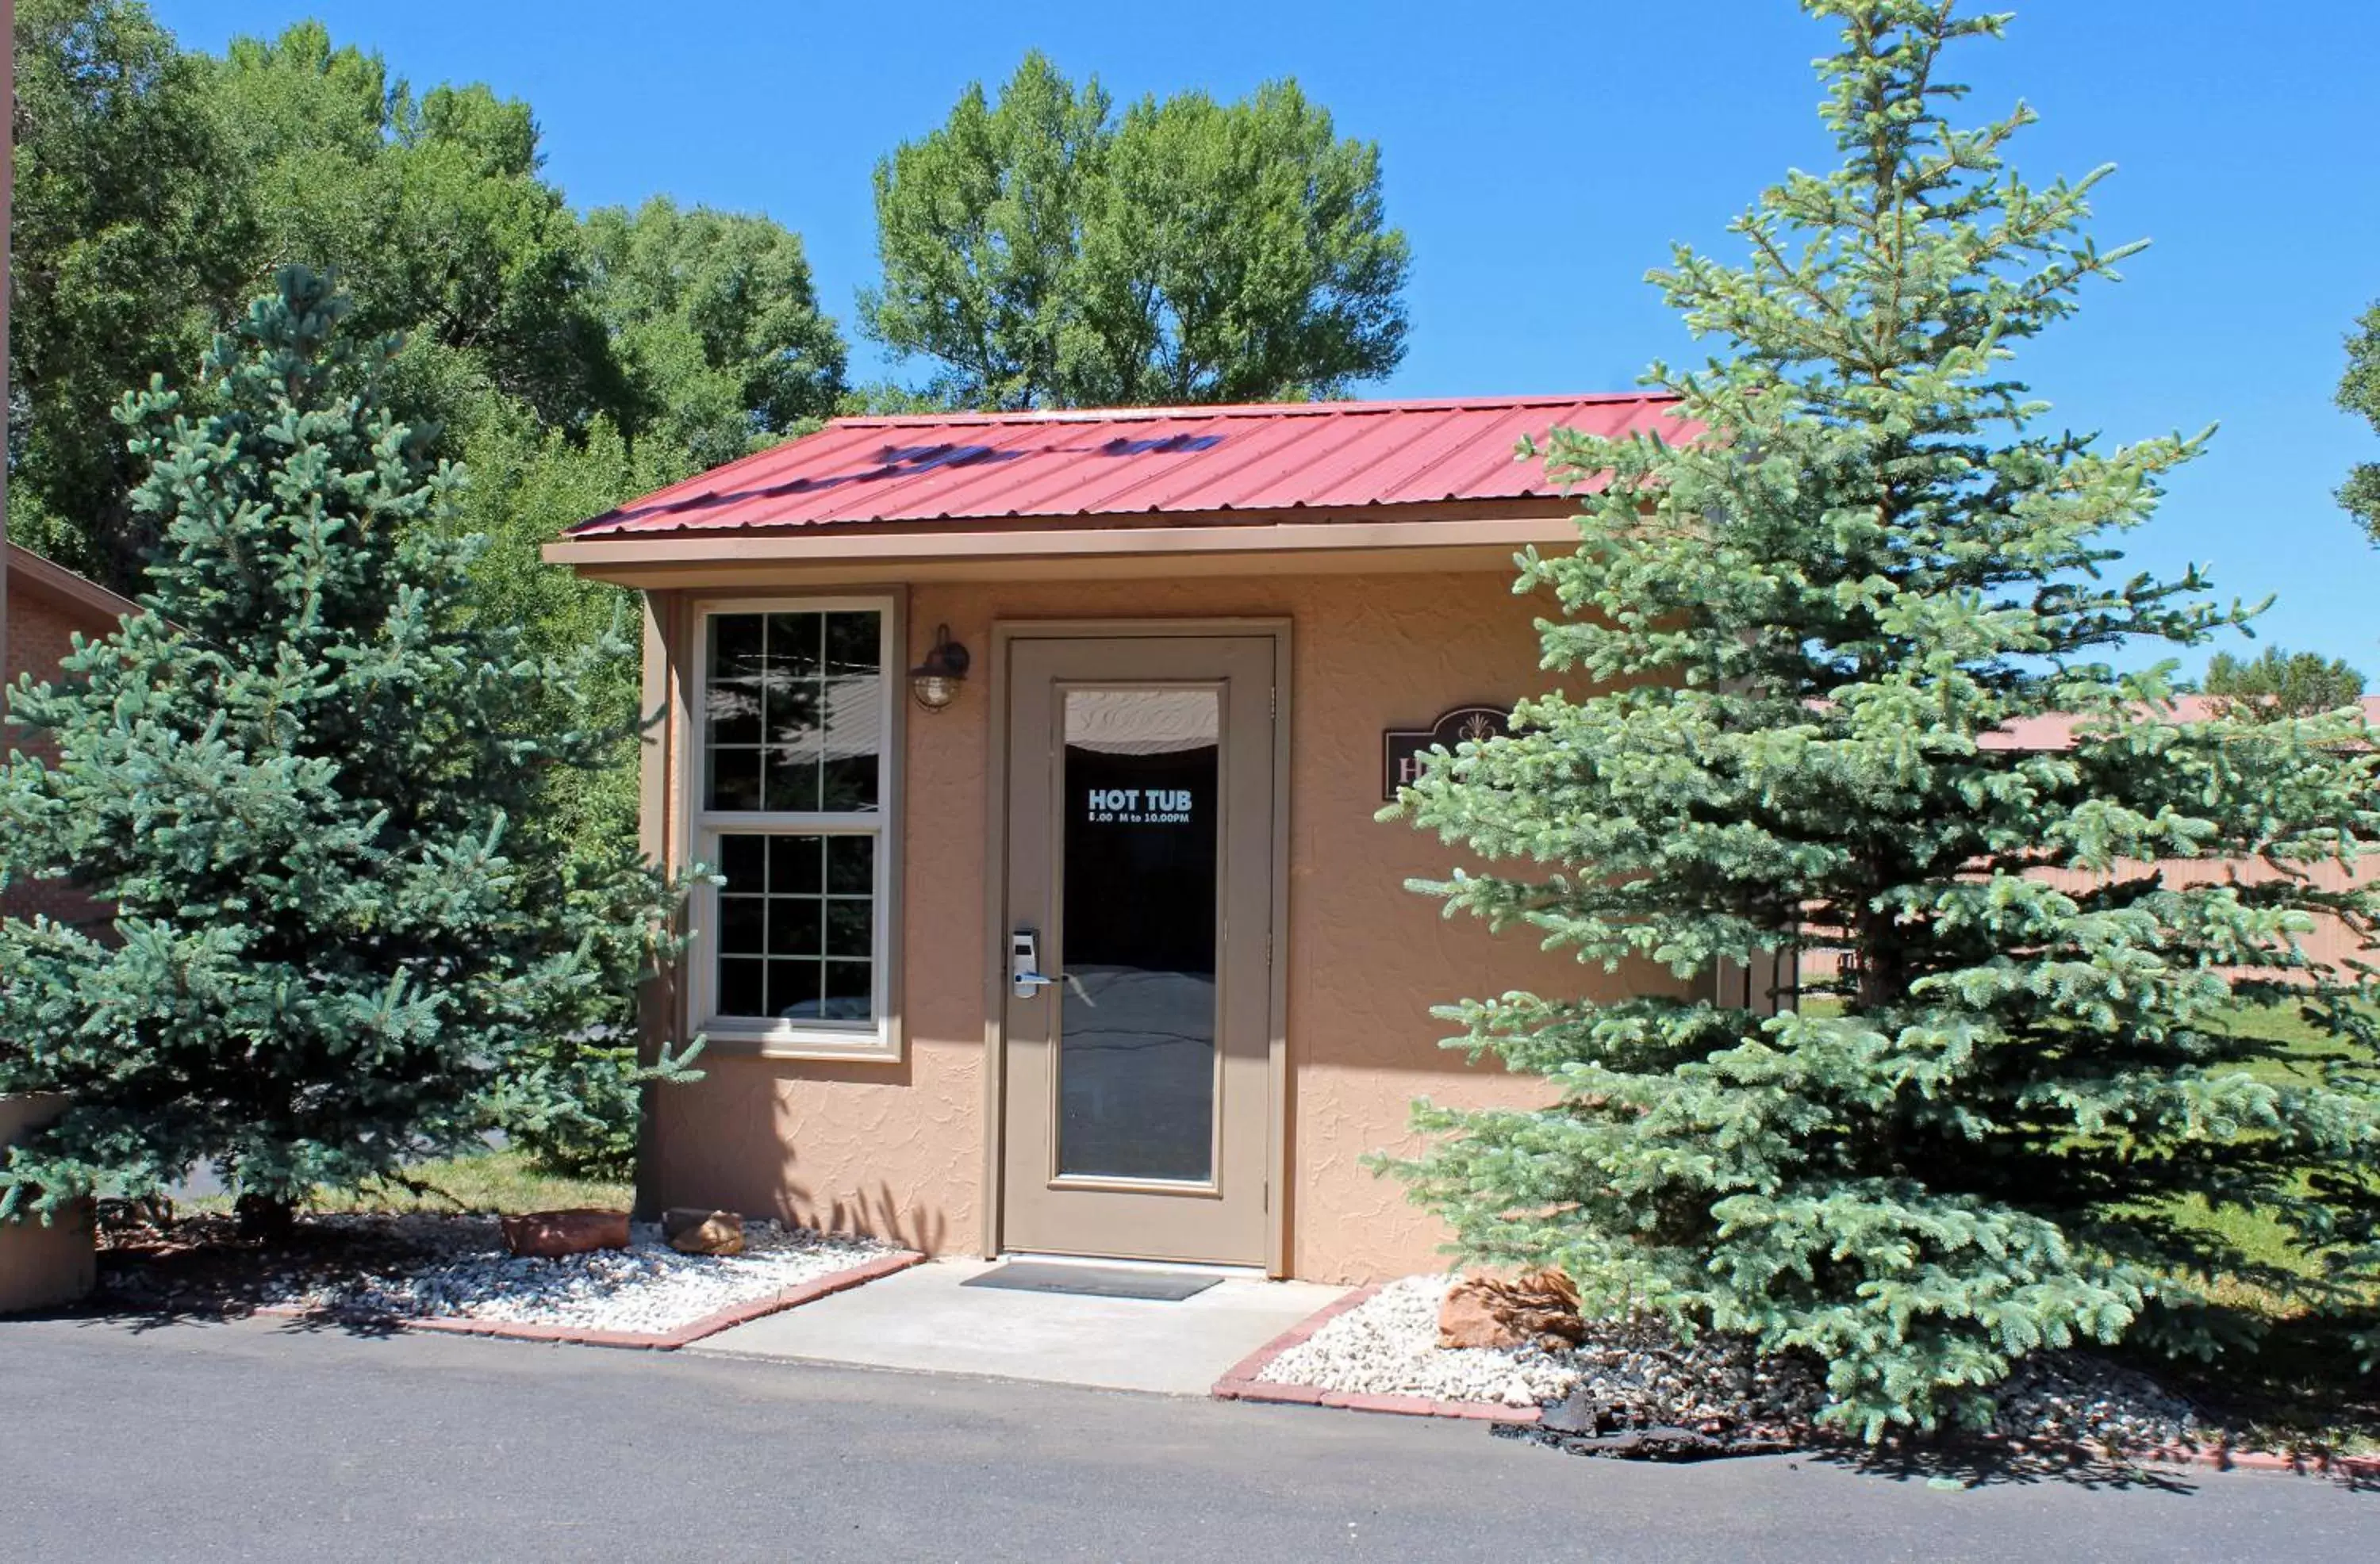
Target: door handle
[1024,976]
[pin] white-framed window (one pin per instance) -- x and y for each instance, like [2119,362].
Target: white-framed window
[794,791]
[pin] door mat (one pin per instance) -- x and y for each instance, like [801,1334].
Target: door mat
[1094,1282]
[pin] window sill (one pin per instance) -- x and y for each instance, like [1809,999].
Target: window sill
[848,1047]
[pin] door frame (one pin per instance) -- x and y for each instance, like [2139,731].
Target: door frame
[1004,633]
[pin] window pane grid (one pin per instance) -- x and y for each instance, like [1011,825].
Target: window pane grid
[794,711]
[797,925]
[794,723]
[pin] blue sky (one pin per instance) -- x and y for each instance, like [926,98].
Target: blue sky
[1540,159]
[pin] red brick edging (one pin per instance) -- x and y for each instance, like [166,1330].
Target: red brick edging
[656,1342]
[1241,1384]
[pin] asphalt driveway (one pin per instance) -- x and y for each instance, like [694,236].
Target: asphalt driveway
[266,1441]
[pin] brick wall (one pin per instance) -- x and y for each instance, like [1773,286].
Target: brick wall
[42,625]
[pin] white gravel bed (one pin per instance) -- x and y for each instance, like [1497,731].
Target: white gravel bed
[1387,1345]
[461,1269]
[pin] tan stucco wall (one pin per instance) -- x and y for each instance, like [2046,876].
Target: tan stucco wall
[898,1149]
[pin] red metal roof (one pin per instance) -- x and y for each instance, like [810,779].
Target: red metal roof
[1137,461]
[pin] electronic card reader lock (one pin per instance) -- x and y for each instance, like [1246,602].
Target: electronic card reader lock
[1024,974]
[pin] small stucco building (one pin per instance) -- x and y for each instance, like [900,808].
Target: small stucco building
[1039,754]
[48,606]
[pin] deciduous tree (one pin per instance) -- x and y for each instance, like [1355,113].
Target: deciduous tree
[158,188]
[2358,393]
[715,322]
[131,237]
[572,363]
[1047,255]
[429,210]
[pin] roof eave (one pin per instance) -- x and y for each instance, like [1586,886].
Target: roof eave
[1469,525]
[29,569]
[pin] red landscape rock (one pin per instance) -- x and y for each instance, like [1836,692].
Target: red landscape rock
[1536,1308]
[549,1235]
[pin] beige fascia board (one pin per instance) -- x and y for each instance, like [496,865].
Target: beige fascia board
[727,577]
[645,558]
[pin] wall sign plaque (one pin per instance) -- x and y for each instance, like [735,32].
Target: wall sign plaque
[1401,749]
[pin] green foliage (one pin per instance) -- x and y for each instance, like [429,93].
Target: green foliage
[527,485]
[976,228]
[430,211]
[571,363]
[157,188]
[1791,639]
[1047,255]
[2282,683]
[716,323]
[2358,393]
[300,775]
[131,239]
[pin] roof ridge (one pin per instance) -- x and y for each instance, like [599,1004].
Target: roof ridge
[1239,409]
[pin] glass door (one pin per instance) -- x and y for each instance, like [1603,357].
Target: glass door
[1136,1046]
[1141,776]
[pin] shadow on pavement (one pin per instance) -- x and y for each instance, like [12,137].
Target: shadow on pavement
[1949,1465]
[1975,1466]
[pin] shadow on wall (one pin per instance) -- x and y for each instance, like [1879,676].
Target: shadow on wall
[828,1146]
[878,1212]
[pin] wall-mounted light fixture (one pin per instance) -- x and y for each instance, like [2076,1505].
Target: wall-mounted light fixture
[936,681]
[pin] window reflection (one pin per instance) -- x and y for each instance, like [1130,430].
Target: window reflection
[1136,1051]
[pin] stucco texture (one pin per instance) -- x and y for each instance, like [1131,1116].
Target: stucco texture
[898,1149]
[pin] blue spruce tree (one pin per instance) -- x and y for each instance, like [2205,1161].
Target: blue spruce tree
[1798,641]
[296,775]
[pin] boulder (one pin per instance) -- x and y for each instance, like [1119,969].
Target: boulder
[1536,1308]
[693,1231]
[549,1235]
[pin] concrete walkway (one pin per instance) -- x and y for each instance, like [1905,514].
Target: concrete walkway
[922,1319]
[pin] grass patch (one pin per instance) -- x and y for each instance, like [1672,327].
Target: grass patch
[2262,1240]
[2309,1049]
[485,1183]
[2302,1388]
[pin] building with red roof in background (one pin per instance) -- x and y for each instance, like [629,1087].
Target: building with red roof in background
[48,606]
